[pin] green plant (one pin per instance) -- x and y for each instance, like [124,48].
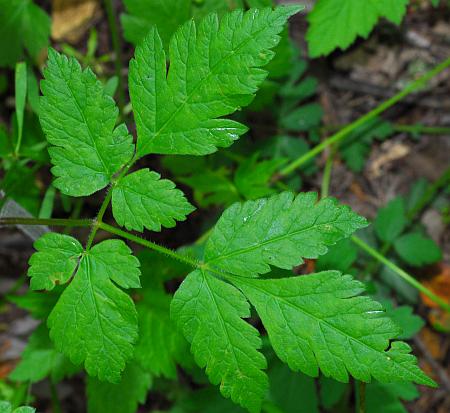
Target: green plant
[23,25]
[336,23]
[317,323]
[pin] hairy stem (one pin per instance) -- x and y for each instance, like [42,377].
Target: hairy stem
[412,87]
[117,45]
[54,222]
[98,219]
[151,245]
[400,272]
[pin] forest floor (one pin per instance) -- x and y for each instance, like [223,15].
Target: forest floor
[350,84]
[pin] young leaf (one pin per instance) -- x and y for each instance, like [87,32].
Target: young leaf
[54,261]
[40,359]
[337,23]
[142,199]
[417,250]
[339,257]
[94,321]
[391,220]
[319,322]
[409,323]
[79,120]
[214,70]
[38,304]
[209,312]
[252,177]
[391,395]
[22,25]
[278,231]
[292,392]
[160,345]
[123,397]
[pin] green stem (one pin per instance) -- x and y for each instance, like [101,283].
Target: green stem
[54,222]
[426,198]
[55,399]
[98,219]
[326,179]
[419,129]
[427,130]
[362,397]
[107,200]
[117,45]
[151,245]
[412,87]
[400,272]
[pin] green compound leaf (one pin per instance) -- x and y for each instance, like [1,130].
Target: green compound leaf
[142,199]
[79,119]
[23,25]
[417,250]
[215,69]
[319,322]
[40,360]
[337,23]
[278,231]
[209,312]
[54,261]
[94,321]
[123,397]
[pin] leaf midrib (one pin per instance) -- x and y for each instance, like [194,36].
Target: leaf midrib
[319,320]
[270,241]
[91,135]
[197,86]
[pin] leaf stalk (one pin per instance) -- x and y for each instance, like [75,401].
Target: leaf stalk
[400,272]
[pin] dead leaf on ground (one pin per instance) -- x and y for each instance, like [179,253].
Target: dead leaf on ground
[437,348]
[392,151]
[440,285]
[72,18]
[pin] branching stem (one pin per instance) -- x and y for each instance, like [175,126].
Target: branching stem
[151,245]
